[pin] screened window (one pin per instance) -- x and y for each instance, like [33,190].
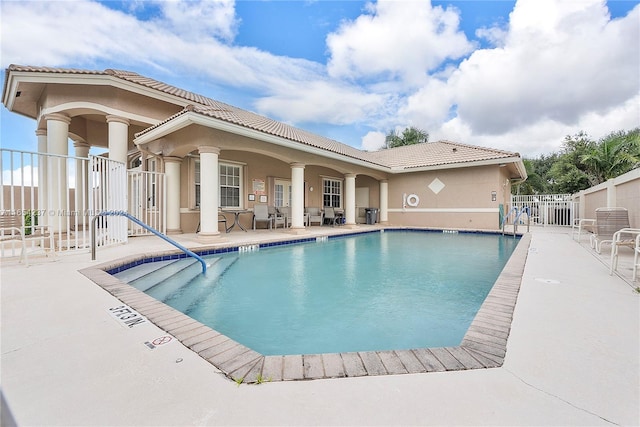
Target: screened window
[332,192]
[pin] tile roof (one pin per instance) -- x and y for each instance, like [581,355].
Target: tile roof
[437,153]
[400,158]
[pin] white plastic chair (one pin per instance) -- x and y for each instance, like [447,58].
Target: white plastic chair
[625,237]
[12,227]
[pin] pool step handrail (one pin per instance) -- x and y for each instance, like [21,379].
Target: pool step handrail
[523,210]
[518,214]
[505,219]
[146,227]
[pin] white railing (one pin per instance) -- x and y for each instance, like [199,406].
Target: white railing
[64,193]
[147,195]
[49,190]
[548,209]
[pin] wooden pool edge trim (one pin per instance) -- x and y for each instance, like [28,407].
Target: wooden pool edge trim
[483,346]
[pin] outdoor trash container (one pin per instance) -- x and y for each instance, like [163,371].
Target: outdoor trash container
[372,215]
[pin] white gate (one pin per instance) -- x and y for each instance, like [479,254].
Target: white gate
[147,195]
[108,185]
[548,209]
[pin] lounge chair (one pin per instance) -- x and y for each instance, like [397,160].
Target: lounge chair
[261,214]
[315,215]
[628,237]
[608,221]
[586,225]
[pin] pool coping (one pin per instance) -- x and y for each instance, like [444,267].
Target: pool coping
[483,346]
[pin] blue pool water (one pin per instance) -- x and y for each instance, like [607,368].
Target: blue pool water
[376,291]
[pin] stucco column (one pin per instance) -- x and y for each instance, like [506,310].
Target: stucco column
[82,176]
[209,194]
[118,138]
[297,197]
[57,181]
[350,199]
[42,176]
[612,198]
[384,202]
[172,172]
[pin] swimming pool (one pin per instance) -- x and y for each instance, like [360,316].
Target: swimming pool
[483,346]
[385,291]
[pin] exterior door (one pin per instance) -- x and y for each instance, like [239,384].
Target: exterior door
[282,195]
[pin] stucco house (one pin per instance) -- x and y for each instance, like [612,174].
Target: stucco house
[215,156]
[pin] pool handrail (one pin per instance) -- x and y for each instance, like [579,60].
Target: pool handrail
[518,213]
[146,227]
[505,219]
[523,210]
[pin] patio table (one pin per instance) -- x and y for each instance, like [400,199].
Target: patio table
[236,213]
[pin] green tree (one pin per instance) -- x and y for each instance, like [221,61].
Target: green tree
[567,177]
[534,184]
[409,136]
[614,155]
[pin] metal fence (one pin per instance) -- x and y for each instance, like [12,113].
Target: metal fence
[548,209]
[64,193]
[147,195]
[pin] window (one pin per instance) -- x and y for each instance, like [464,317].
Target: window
[196,180]
[332,192]
[229,181]
[230,186]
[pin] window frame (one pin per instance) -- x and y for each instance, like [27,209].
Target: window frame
[333,184]
[195,183]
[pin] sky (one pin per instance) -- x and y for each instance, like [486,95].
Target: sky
[512,75]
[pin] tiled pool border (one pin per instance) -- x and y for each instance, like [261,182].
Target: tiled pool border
[483,346]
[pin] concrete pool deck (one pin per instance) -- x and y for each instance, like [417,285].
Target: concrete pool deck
[573,357]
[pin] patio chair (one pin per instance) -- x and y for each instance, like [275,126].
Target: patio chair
[286,212]
[221,219]
[330,216]
[626,237]
[277,217]
[582,225]
[261,214]
[315,215]
[608,221]
[13,227]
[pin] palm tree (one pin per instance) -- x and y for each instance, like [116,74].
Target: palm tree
[615,154]
[410,136]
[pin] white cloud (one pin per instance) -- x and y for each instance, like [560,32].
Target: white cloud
[561,60]
[396,40]
[195,19]
[26,175]
[373,141]
[558,66]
